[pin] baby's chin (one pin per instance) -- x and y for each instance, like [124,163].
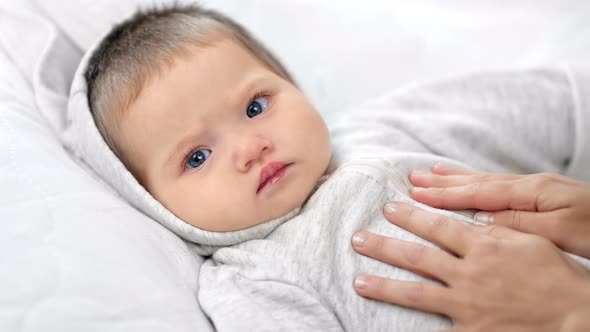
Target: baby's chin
[292,202]
[243,220]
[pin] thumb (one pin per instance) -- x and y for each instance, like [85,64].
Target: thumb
[524,221]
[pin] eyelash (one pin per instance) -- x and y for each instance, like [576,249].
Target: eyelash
[260,94]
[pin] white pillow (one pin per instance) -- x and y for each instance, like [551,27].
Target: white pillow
[73,255]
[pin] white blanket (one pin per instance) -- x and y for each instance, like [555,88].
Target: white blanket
[74,256]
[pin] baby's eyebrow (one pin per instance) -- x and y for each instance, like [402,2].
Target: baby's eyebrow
[246,87]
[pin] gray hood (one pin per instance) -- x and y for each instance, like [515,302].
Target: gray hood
[82,137]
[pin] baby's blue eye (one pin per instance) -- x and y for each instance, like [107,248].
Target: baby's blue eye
[257,106]
[197,159]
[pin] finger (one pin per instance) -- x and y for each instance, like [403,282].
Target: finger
[490,196]
[447,233]
[423,179]
[442,169]
[534,192]
[422,296]
[511,224]
[545,224]
[426,261]
[499,232]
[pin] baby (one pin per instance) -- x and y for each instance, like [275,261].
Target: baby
[214,127]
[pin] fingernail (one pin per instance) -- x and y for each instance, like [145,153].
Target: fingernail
[361,282]
[440,166]
[418,172]
[391,208]
[359,239]
[417,189]
[484,217]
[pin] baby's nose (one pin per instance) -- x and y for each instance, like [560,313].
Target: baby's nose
[250,150]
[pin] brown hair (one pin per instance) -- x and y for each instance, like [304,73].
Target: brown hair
[140,47]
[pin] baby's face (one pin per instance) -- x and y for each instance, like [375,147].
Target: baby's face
[222,141]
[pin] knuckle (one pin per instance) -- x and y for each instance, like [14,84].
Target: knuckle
[473,188]
[409,211]
[477,194]
[542,180]
[415,254]
[378,244]
[415,293]
[488,246]
[437,225]
[531,201]
[406,214]
[472,275]
[441,195]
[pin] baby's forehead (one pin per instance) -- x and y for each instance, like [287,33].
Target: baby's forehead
[228,52]
[223,75]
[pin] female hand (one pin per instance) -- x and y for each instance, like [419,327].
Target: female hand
[495,278]
[547,204]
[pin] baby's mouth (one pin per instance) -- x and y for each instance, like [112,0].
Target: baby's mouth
[272,173]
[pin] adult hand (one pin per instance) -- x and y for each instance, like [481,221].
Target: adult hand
[547,204]
[494,278]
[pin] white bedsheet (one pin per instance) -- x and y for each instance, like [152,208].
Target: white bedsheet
[75,257]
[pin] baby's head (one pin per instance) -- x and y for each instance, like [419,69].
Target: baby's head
[206,118]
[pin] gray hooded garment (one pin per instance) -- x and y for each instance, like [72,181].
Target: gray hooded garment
[295,273]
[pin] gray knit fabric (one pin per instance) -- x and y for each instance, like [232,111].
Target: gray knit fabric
[299,278]
[295,273]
